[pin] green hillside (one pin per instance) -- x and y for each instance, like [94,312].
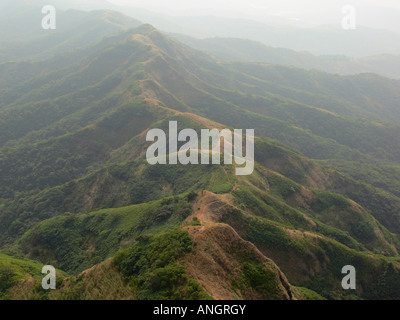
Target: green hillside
[76,190]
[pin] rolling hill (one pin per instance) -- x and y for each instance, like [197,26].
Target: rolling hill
[241,50]
[77,192]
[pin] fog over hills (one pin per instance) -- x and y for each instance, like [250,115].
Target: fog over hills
[331,39]
[323,36]
[77,191]
[236,49]
[376,14]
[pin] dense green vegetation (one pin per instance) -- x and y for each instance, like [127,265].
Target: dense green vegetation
[13,271]
[76,190]
[114,186]
[332,215]
[151,266]
[77,242]
[315,262]
[383,176]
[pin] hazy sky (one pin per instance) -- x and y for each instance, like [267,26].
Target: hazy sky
[371,13]
[300,5]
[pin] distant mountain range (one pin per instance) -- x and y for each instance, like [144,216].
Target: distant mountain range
[322,40]
[76,190]
[234,49]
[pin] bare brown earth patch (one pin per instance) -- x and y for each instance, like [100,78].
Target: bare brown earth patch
[304,199]
[101,282]
[219,254]
[210,207]
[217,261]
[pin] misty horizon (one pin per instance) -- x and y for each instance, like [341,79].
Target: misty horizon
[311,13]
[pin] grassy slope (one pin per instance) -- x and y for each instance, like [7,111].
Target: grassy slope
[63,164]
[262,218]
[13,271]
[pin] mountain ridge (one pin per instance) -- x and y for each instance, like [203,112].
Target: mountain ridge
[76,189]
